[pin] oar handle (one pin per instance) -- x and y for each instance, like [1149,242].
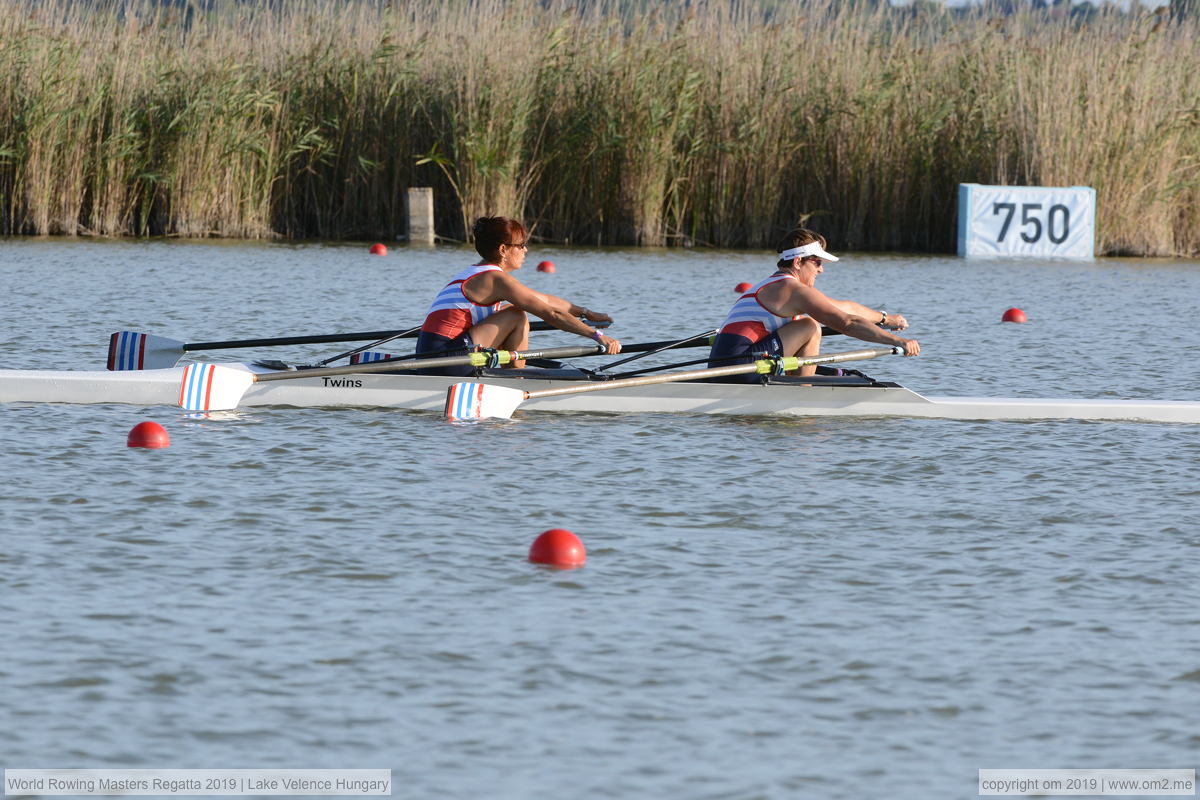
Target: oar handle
[361,336]
[471,359]
[762,366]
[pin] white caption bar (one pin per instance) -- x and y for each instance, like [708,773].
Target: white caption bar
[1050,782]
[196,782]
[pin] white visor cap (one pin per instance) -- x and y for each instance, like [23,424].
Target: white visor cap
[805,251]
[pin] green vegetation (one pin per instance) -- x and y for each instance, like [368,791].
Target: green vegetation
[723,123]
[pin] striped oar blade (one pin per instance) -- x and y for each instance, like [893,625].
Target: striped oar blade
[134,350]
[370,356]
[211,387]
[470,401]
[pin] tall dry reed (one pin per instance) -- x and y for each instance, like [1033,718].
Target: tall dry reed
[722,123]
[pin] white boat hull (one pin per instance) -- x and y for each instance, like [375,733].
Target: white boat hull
[428,393]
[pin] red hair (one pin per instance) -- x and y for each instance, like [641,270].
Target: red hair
[491,232]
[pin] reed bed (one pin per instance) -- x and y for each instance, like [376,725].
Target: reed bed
[720,124]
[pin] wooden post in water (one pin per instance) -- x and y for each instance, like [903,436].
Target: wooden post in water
[420,215]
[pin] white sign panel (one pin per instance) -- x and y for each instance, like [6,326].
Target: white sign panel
[1026,221]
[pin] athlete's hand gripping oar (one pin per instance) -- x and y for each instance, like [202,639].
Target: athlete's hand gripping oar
[214,387]
[134,350]
[472,400]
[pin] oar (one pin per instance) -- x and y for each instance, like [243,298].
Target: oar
[214,387]
[134,350]
[643,349]
[365,357]
[361,348]
[470,400]
[691,341]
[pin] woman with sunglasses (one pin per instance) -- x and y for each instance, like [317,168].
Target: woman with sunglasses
[783,314]
[485,305]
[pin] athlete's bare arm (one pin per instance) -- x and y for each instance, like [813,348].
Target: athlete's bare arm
[796,298]
[496,287]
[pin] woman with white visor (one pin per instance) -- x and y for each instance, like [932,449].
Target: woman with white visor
[783,314]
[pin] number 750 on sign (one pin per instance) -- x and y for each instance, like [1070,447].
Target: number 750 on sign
[1026,221]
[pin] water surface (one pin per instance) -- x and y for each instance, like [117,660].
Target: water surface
[834,608]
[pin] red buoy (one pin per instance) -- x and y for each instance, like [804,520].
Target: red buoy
[1014,315]
[741,287]
[558,547]
[378,249]
[148,434]
[545,266]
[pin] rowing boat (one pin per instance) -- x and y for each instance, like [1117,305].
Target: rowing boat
[777,395]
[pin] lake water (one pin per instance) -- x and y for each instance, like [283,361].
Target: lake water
[771,608]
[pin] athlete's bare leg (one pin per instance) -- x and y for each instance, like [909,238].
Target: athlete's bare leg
[801,337]
[505,330]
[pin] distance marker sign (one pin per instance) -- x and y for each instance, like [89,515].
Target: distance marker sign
[1026,221]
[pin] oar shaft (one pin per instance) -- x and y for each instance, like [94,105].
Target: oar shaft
[375,343]
[475,359]
[699,340]
[653,347]
[471,359]
[362,336]
[714,372]
[286,340]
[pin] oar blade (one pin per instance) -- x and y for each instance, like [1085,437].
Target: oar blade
[370,356]
[211,387]
[470,401]
[134,350]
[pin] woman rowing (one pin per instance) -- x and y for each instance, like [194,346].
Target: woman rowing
[783,314]
[485,305]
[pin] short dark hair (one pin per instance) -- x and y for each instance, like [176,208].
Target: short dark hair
[491,232]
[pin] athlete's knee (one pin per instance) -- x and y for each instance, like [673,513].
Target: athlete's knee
[801,336]
[510,320]
[511,313]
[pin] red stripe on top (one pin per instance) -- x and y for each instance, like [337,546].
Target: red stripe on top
[448,322]
[184,384]
[208,388]
[451,313]
[754,331]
